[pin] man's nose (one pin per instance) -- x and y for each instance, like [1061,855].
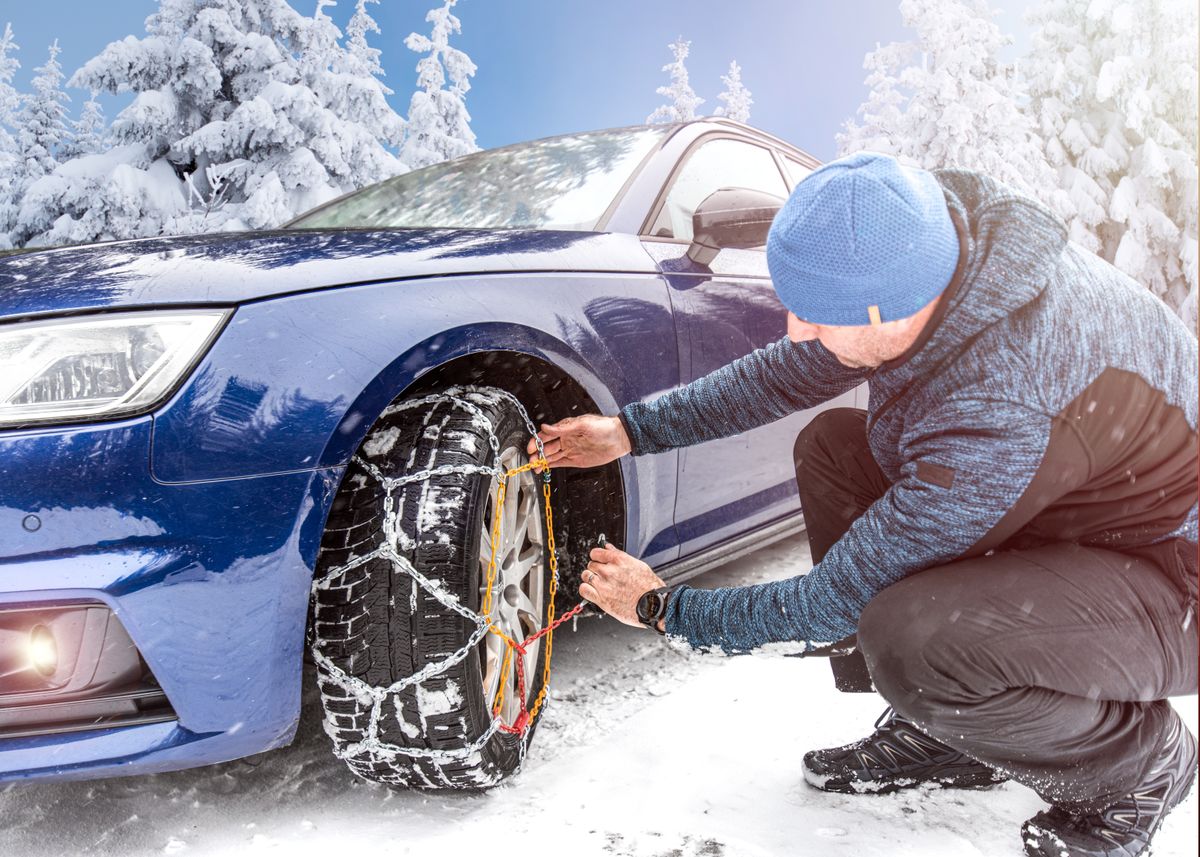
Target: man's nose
[799,330]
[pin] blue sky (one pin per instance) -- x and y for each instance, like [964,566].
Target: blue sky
[554,66]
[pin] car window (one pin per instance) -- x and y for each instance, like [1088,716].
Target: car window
[797,171]
[563,182]
[716,164]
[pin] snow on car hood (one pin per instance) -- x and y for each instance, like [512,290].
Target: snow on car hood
[230,268]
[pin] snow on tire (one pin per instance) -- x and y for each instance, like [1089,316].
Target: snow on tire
[408,677]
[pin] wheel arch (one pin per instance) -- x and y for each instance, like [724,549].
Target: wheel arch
[552,380]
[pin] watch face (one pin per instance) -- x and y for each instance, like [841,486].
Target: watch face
[656,605]
[648,607]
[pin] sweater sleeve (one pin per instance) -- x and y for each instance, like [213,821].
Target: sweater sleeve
[764,386]
[964,467]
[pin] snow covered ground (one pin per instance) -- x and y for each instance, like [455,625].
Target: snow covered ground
[644,751]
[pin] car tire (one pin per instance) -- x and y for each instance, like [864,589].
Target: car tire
[390,573]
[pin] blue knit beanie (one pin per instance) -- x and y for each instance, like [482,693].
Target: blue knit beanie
[862,240]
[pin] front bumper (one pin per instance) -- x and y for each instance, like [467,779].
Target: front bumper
[209,579]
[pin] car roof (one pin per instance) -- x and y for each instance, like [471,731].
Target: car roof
[696,126]
[762,136]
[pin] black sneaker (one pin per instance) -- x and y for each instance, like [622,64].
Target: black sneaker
[896,756]
[1126,827]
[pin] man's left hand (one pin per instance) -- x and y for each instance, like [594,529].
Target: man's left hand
[614,581]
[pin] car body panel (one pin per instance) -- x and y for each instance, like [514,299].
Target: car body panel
[239,267]
[147,749]
[256,406]
[210,580]
[723,311]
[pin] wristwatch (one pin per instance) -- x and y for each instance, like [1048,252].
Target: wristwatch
[652,607]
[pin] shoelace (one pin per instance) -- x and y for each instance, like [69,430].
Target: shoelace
[888,714]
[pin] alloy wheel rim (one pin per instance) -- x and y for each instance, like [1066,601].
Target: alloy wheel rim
[519,592]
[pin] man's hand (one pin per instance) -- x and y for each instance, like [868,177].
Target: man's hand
[614,581]
[586,441]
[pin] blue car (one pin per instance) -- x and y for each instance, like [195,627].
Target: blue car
[223,454]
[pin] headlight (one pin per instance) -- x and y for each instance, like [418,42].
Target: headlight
[98,366]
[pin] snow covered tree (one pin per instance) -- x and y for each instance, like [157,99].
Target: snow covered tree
[947,100]
[10,100]
[365,56]
[10,103]
[245,113]
[1058,72]
[439,126]
[88,133]
[883,115]
[356,129]
[736,96]
[683,98]
[352,84]
[42,127]
[1113,87]
[299,130]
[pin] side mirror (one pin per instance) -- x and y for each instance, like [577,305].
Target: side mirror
[731,217]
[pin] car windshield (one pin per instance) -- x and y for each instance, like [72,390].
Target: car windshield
[559,183]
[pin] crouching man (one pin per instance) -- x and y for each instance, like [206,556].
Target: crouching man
[1005,539]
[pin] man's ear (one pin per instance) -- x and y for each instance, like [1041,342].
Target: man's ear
[799,331]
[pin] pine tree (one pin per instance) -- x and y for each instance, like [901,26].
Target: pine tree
[958,106]
[1113,85]
[1058,72]
[245,113]
[736,96]
[88,134]
[370,132]
[883,115]
[346,81]
[365,56]
[10,103]
[683,100]
[439,126]
[312,131]
[42,127]
[10,99]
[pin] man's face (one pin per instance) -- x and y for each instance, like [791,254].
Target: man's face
[859,346]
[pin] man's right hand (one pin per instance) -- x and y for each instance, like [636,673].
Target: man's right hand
[586,441]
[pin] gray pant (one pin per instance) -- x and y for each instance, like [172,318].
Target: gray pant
[1051,663]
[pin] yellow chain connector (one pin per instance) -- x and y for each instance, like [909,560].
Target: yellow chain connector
[496,506]
[537,703]
[506,663]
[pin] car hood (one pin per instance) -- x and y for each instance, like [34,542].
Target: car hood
[230,268]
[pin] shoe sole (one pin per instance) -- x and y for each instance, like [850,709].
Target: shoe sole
[948,778]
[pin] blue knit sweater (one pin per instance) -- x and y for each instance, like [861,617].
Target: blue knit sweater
[1047,357]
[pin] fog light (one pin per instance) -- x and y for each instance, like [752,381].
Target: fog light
[43,651]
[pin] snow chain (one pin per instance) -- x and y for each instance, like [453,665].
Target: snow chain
[377,696]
